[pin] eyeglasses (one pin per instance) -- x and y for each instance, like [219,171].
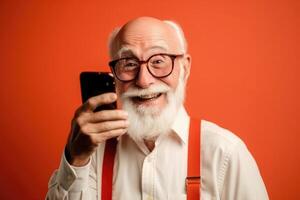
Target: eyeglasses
[158,65]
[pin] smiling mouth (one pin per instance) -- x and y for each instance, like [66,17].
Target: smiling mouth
[149,97]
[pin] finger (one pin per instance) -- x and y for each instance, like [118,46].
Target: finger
[104,126]
[101,116]
[92,103]
[83,118]
[108,115]
[99,138]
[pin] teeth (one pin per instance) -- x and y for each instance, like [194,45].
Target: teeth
[149,96]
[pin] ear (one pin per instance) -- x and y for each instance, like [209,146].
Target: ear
[187,61]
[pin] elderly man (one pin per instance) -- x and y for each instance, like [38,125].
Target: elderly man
[151,65]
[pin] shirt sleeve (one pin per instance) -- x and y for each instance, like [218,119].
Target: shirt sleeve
[241,177]
[72,183]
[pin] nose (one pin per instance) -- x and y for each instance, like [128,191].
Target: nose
[144,79]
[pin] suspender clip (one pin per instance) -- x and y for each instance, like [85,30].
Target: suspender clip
[191,180]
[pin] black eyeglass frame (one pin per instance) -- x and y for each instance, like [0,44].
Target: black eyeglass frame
[113,63]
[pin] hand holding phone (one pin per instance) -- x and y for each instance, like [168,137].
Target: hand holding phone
[97,120]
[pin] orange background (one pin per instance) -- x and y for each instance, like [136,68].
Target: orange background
[244,77]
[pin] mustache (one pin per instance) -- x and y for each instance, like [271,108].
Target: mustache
[136,92]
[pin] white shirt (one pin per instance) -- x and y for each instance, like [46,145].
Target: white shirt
[228,171]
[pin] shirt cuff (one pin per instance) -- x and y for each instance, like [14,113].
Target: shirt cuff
[73,178]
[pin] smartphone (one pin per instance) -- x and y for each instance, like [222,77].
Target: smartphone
[96,83]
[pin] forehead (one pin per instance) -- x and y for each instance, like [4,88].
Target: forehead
[144,38]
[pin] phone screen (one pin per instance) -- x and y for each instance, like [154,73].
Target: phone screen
[96,83]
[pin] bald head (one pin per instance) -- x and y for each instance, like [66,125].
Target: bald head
[144,33]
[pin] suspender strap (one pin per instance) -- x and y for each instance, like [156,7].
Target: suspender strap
[193,173]
[192,180]
[107,168]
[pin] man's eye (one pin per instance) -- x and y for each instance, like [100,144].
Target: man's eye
[158,61]
[130,64]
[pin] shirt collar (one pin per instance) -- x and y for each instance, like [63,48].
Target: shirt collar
[181,124]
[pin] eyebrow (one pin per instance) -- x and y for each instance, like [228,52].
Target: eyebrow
[127,52]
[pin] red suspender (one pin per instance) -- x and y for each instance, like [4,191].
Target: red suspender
[108,168]
[193,172]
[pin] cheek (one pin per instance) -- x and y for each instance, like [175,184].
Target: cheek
[121,87]
[172,80]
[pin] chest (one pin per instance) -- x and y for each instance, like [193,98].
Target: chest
[159,174]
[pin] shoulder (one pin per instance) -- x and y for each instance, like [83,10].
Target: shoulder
[220,147]
[229,169]
[214,136]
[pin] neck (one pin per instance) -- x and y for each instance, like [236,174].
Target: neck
[150,144]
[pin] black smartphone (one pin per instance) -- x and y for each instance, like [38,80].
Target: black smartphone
[95,83]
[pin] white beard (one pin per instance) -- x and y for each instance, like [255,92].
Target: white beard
[149,122]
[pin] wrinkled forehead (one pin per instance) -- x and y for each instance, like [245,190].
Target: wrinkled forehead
[142,38]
